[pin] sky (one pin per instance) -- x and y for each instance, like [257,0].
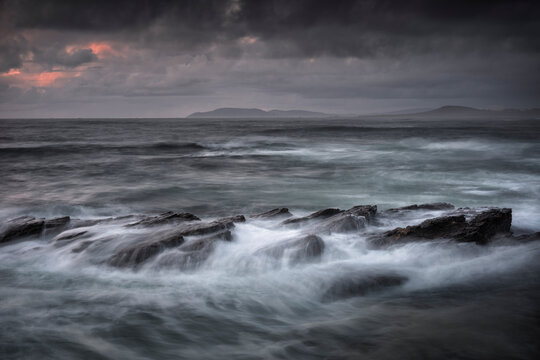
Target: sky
[150,58]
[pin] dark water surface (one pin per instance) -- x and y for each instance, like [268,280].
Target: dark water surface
[462,301]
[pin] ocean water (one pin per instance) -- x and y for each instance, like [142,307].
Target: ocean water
[461,301]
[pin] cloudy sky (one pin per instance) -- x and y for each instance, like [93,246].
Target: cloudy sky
[148,58]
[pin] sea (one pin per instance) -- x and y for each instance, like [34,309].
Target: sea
[461,300]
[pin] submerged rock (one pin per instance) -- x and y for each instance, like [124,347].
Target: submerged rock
[165,218]
[360,285]
[27,226]
[306,248]
[274,213]
[429,206]
[480,229]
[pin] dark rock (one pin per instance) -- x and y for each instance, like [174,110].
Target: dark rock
[341,223]
[165,218]
[485,225]
[479,229]
[321,214]
[234,219]
[204,228]
[367,211]
[350,220]
[360,285]
[430,206]
[274,213]
[192,254]
[56,222]
[68,236]
[301,249]
[21,227]
[136,254]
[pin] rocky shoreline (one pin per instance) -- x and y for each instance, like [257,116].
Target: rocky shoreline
[194,240]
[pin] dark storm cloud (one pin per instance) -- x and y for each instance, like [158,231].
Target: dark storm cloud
[12,52]
[312,27]
[342,51]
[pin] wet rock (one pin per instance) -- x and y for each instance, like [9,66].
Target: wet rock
[321,214]
[485,225]
[274,213]
[351,220]
[21,227]
[69,236]
[306,248]
[234,219]
[56,222]
[27,226]
[136,254]
[480,229]
[360,285]
[342,223]
[429,206]
[165,218]
[192,254]
[204,228]
[366,211]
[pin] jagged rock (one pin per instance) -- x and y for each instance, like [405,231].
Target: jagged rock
[300,249]
[321,214]
[429,206]
[350,220]
[165,218]
[485,225]
[479,229]
[136,254]
[360,285]
[26,226]
[274,213]
[367,211]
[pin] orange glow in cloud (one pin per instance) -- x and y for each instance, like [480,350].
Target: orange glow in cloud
[42,79]
[100,49]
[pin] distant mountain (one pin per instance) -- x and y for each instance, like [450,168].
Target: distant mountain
[456,112]
[256,113]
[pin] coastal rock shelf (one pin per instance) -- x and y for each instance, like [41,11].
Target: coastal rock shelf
[184,242]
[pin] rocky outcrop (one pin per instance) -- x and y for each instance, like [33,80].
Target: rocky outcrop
[321,214]
[354,219]
[480,229]
[28,226]
[168,217]
[272,214]
[301,249]
[353,285]
[136,254]
[429,206]
[192,254]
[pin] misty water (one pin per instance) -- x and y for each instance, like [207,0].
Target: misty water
[460,300]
